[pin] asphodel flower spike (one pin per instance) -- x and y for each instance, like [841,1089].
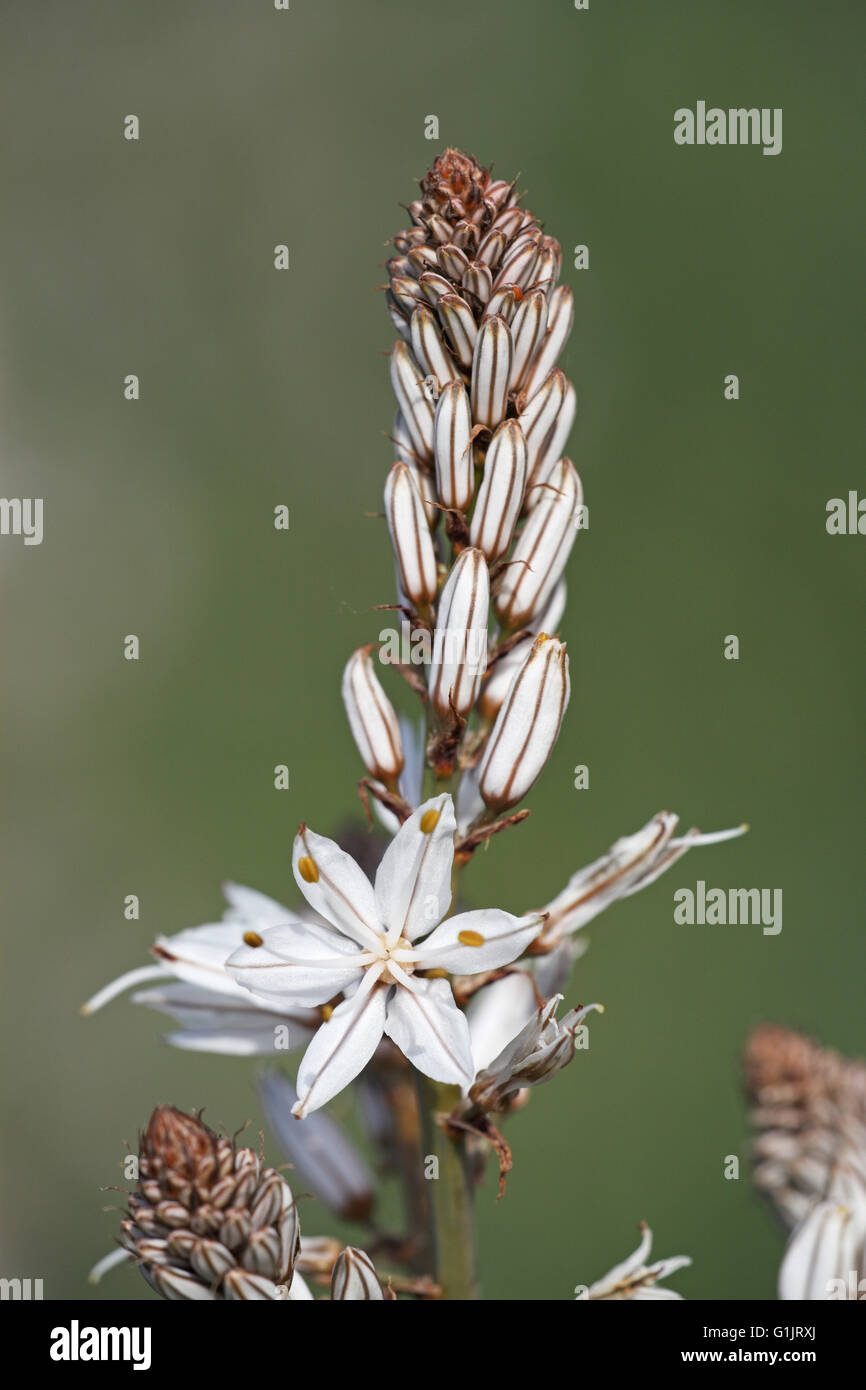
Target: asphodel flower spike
[410,536]
[460,640]
[372,719]
[527,726]
[376,940]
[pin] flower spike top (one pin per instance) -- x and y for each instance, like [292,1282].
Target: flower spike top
[377,944]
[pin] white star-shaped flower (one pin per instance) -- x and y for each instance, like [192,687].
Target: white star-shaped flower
[375,942]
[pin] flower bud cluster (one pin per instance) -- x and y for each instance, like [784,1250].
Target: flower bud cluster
[482,505]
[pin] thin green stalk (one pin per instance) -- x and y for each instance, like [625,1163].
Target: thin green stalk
[452,1216]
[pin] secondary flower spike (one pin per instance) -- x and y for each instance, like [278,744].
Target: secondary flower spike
[208,1221]
[378,938]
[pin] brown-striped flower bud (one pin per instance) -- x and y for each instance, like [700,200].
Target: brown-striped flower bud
[459,323]
[502,304]
[453,261]
[434,286]
[410,536]
[543,547]
[478,280]
[519,263]
[551,451]
[452,447]
[538,418]
[491,372]
[527,726]
[416,407]
[560,317]
[208,1221]
[500,496]
[371,718]
[428,347]
[406,293]
[527,332]
[355,1276]
[460,641]
[545,272]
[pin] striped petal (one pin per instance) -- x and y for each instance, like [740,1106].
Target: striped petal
[306,965]
[429,1029]
[336,887]
[342,1047]
[476,941]
[413,881]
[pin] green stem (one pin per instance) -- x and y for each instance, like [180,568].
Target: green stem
[452,1217]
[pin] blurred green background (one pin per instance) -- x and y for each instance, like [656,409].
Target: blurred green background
[260,388]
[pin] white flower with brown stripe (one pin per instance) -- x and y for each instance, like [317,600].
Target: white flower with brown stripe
[380,949]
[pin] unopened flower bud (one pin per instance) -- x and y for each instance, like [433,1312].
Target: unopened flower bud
[372,718]
[538,418]
[460,640]
[428,347]
[355,1276]
[560,317]
[527,726]
[410,536]
[551,450]
[459,323]
[478,280]
[527,332]
[455,469]
[500,496]
[491,371]
[416,407]
[543,547]
[519,264]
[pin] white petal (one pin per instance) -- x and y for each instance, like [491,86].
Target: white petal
[341,892]
[304,964]
[343,1046]
[413,882]
[198,955]
[431,1031]
[215,1022]
[503,939]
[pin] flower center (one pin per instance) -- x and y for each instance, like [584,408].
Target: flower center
[407,967]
